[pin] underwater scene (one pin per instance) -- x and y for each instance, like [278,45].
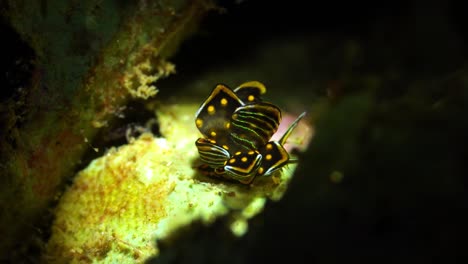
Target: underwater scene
[233,131]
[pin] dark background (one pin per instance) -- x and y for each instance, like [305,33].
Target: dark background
[418,34]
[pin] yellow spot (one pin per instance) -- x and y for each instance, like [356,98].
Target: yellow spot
[225,147]
[251,98]
[211,109]
[238,153]
[269,146]
[268,157]
[212,141]
[224,102]
[199,122]
[336,176]
[228,124]
[232,160]
[251,152]
[213,134]
[260,170]
[244,159]
[234,116]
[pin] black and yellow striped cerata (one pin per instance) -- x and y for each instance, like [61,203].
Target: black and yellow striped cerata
[237,127]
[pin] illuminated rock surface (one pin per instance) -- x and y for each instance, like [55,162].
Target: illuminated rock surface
[122,202]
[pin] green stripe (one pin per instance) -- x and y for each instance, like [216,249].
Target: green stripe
[249,145]
[261,122]
[261,114]
[254,131]
[212,154]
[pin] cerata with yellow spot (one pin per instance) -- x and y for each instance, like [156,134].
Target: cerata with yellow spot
[237,127]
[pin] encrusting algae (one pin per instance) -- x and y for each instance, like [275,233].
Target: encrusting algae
[123,202]
[139,82]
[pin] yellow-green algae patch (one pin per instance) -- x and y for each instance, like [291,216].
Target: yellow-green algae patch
[122,202]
